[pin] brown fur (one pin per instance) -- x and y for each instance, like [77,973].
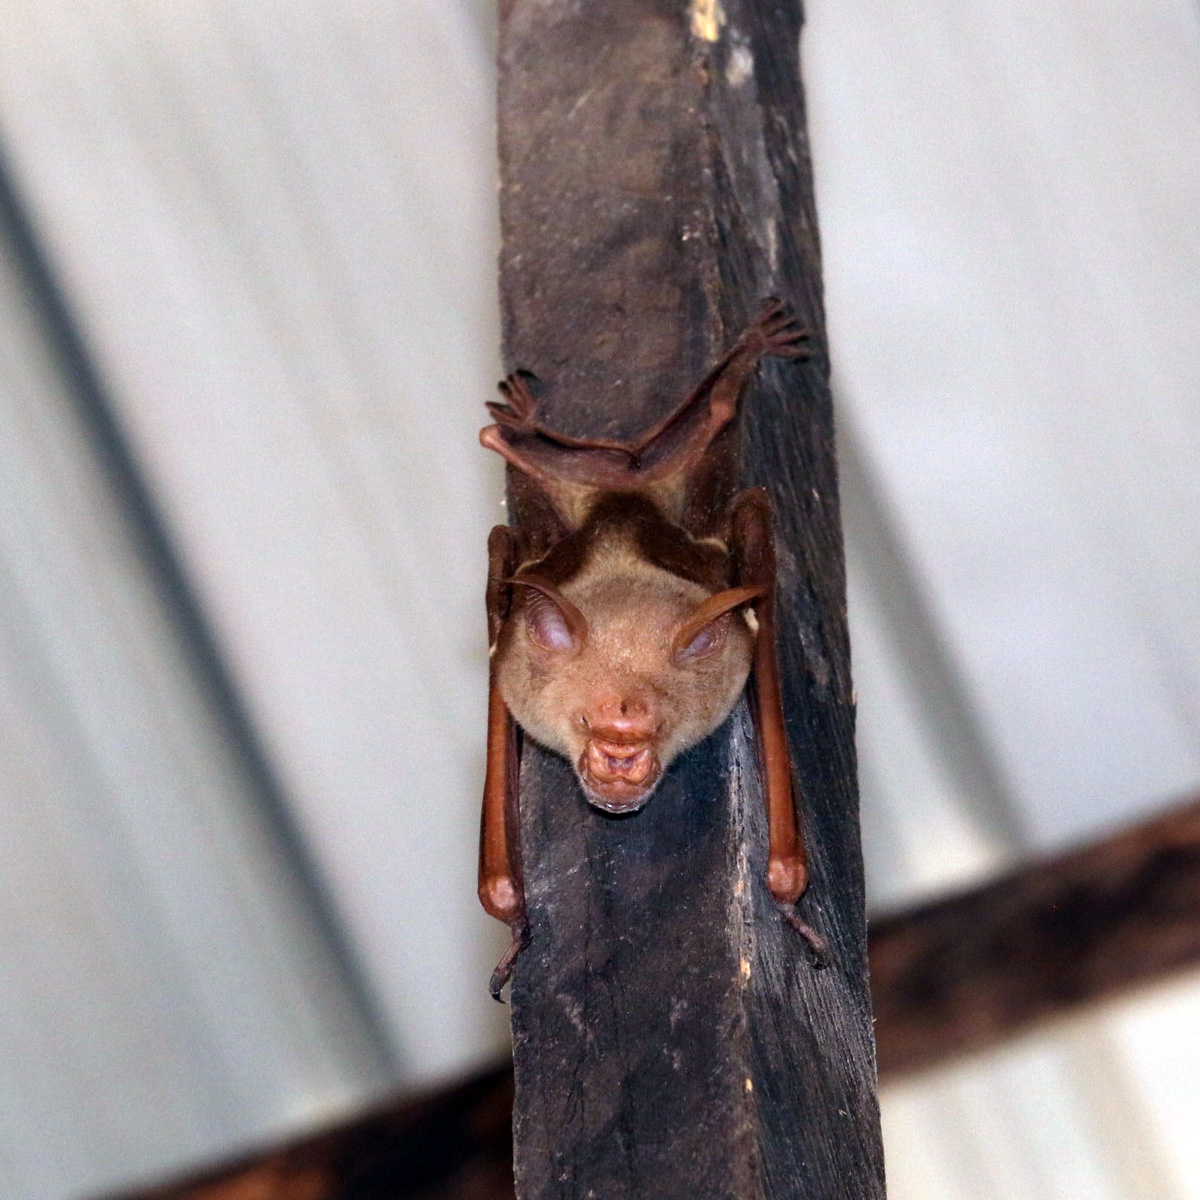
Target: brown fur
[617,604]
[637,580]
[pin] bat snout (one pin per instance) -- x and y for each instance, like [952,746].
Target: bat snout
[618,772]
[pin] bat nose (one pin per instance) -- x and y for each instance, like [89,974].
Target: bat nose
[625,719]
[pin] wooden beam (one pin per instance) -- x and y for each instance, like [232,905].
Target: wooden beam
[454,1144]
[967,971]
[948,978]
[671,1037]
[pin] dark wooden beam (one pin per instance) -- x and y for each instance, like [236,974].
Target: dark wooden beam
[455,1144]
[949,978]
[970,970]
[672,1039]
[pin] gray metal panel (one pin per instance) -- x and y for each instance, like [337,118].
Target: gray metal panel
[1009,198]
[293,302]
[167,990]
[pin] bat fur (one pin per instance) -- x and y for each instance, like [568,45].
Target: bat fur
[627,606]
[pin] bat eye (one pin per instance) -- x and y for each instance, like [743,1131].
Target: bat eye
[707,640]
[547,626]
[553,622]
[703,633]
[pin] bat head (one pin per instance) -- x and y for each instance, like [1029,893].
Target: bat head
[622,669]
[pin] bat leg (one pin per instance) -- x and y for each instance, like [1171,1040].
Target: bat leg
[677,444]
[752,543]
[818,947]
[501,889]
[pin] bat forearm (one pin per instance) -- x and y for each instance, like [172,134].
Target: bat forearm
[499,888]
[787,861]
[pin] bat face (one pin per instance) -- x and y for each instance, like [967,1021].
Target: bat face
[622,668]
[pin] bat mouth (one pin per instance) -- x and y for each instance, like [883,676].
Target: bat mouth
[619,776]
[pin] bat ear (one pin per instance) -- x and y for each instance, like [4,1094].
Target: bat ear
[703,633]
[551,620]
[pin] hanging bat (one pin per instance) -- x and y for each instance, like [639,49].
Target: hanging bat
[626,609]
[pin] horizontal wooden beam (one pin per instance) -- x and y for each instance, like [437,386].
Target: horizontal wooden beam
[948,978]
[969,970]
[454,1144]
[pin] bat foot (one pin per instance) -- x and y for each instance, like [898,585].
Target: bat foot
[504,968]
[520,411]
[777,333]
[818,947]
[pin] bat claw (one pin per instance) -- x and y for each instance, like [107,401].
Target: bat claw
[776,332]
[506,416]
[796,349]
[818,947]
[520,412]
[504,968]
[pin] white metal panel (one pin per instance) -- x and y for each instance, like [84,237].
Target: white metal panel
[1053,1116]
[166,990]
[936,812]
[1156,1042]
[1010,203]
[294,303]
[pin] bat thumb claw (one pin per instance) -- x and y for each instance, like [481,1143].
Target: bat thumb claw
[818,947]
[504,968]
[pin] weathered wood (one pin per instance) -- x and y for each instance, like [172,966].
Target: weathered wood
[671,1037]
[968,971]
[948,978]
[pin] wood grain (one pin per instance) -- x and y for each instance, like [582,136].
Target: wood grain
[948,978]
[671,1037]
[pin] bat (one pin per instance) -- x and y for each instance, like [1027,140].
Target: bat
[627,606]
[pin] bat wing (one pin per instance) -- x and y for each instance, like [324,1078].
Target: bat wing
[501,888]
[752,544]
[660,463]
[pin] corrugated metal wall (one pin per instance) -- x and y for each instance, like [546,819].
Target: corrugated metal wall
[1010,207]
[247,323]
[168,984]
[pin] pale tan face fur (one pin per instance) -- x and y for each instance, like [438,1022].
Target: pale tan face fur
[618,703]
